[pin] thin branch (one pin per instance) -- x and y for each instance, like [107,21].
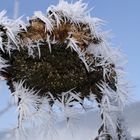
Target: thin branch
[16,9]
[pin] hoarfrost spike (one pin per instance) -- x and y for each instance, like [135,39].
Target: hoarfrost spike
[45,19]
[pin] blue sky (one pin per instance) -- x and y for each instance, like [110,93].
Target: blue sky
[123,19]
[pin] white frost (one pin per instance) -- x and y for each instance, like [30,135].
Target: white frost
[45,19]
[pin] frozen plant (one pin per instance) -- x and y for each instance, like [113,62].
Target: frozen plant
[55,52]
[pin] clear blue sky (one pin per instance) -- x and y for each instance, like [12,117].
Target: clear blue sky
[123,18]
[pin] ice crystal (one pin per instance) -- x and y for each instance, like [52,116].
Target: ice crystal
[12,28]
[26,99]
[1,42]
[45,19]
[73,44]
[33,48]
[74,11]
[3,64]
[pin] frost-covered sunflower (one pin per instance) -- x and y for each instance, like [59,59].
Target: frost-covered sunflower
[62,56]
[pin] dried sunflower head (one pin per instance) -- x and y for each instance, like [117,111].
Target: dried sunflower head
[51,54]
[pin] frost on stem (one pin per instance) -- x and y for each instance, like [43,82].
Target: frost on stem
[26,99]
[54,53]
[30,105]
